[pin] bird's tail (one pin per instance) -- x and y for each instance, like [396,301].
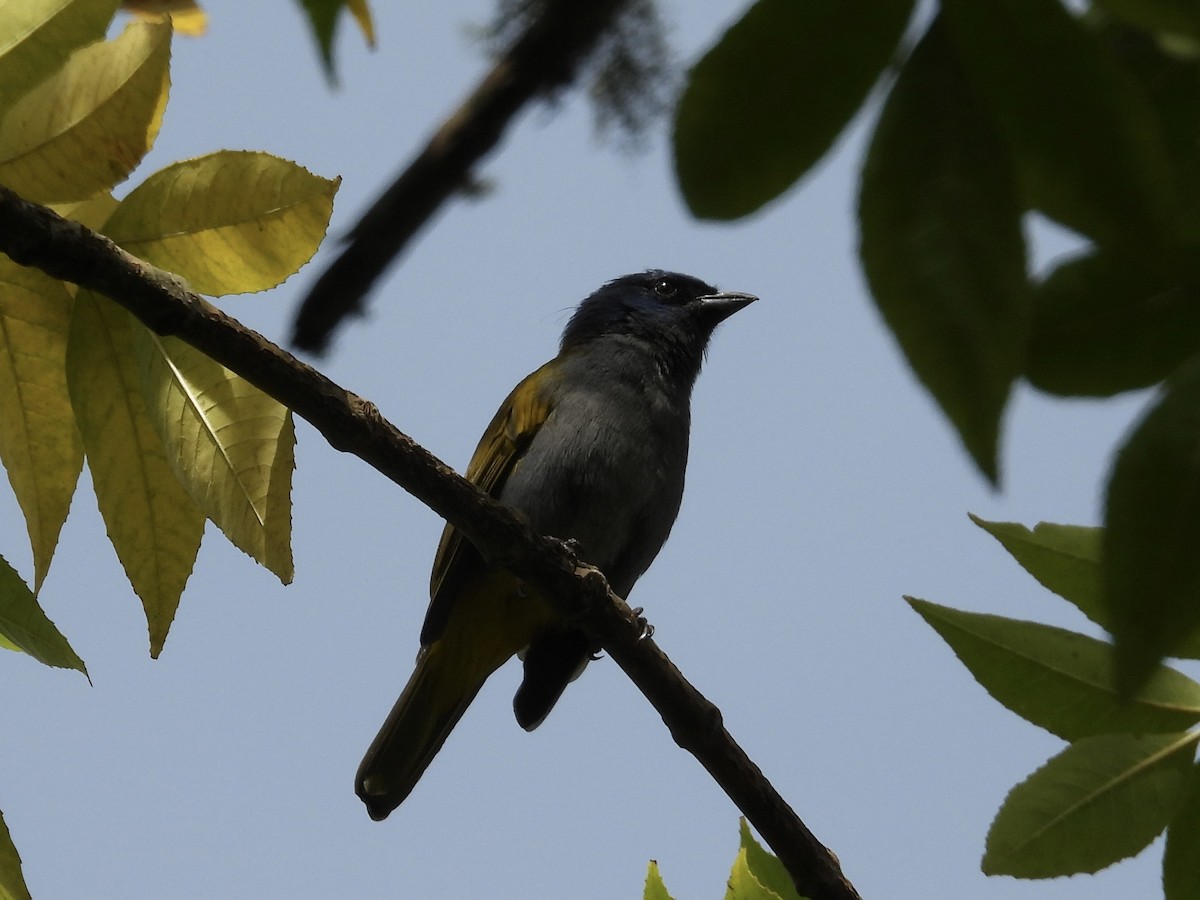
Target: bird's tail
[435,698]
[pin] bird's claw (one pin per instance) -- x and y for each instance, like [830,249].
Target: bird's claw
[647,630]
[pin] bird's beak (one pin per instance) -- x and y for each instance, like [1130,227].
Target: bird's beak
[719,307]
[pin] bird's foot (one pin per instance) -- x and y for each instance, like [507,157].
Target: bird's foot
[647,628]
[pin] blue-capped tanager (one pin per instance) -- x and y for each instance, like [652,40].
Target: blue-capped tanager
[590,447]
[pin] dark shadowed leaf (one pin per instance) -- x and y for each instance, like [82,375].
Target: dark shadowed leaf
[1060,680]
[770,98]
[1105,322]
[1168,16]
[1181,858]
[941,244]
[1101,800]
[1089,150]
[1150,554]
[12,882]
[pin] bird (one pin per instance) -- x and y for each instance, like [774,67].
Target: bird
[592,448]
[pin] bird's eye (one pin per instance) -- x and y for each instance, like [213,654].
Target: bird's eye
[665,289]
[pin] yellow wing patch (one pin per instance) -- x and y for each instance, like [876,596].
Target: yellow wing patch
[500,449]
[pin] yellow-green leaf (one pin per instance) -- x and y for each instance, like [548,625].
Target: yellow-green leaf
[186,15]
[153,524]
[655,889]
[1101,800]
[25,626]
[93,212]
[230,445]
[86,127]
[231,222]
[39,444]
[37,36]
[765,866]
[12,882]
[743,885]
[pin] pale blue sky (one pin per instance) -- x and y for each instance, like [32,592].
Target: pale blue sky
[823,485]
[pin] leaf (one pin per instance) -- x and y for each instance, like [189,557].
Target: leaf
[12,882]
[153,524]
[1150,562]
[1106,323]
[39,444]
[25,626]
[229,444]
[1089,150]
[1170,16]
[39,35]
[763,105]
[1060,680]
[186,15]
[941,244]
[323,18]
[1170,82]
[1181,858]
[766,867]
[1101,800]
[230,222]
[655,888]
[1064,559]
[85,128]
[742,883]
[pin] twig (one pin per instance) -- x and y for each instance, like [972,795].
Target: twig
[35,236]
[544,57]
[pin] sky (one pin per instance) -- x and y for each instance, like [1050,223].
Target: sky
[823,485]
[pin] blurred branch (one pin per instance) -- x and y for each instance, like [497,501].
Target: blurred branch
[545,55]
[35,236]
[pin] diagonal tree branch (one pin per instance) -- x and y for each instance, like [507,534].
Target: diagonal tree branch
[35,236]
[544,57]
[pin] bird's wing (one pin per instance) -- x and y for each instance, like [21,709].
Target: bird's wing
[503,443]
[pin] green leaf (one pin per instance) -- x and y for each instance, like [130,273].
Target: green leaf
[1101,800]
[12,882]
[1089,150]
[1181,858]
[39,444]
[766,867]
[1064,559]
[1106,323]
[772,96]
[941,244]
[743,885]
[230,222]
[655,888]
[1149,555]
[154,526]
[1168,16]
[39,35]
[229,444]
[86,127]
[323,16]
[1170,81]
[24,626]
[1060,680]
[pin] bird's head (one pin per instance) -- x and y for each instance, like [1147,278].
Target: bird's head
[664,310]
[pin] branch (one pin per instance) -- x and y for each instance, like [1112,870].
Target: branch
[544,57]
[35,236]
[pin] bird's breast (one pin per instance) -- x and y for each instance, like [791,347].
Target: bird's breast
[608,471]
